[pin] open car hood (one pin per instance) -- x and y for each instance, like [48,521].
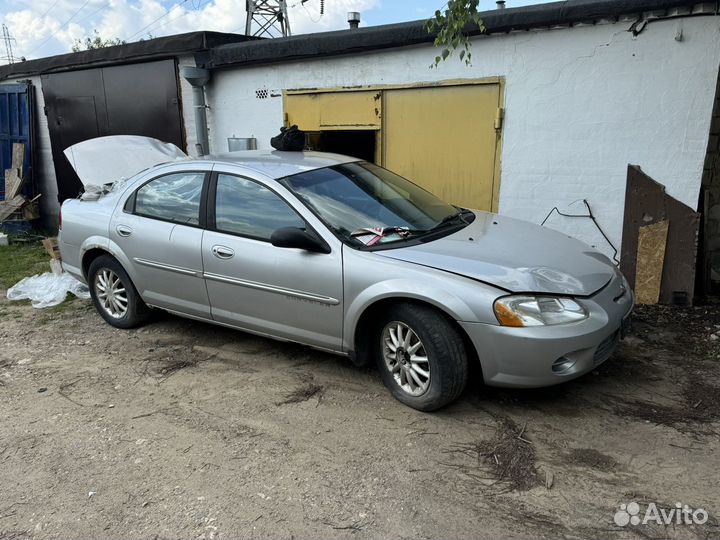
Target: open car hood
[514,255]
[106,160]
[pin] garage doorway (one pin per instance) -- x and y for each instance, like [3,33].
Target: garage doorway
[356,143]
[444,136]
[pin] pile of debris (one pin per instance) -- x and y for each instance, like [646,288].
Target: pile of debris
[17,207]
[50,288]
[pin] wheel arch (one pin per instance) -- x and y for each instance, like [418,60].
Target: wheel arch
[364,325]
[94,248]
[89,256]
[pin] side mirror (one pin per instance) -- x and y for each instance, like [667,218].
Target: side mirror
[292,237]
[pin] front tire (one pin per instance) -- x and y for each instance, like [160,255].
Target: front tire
[114,295]
[421,356]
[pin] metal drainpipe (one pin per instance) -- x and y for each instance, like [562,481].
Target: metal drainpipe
[198,78]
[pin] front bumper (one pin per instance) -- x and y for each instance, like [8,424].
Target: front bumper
[524,357]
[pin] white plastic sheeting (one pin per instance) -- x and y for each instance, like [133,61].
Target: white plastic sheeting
[104,160]
[48,289]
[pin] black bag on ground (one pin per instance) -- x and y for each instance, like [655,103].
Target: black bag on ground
[290,139]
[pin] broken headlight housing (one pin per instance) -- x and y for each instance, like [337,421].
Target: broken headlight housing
[529,310]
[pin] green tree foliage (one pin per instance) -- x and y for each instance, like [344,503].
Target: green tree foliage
[450,27]
[95,42]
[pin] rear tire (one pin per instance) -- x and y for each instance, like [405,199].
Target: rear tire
[421,356]
[114,295]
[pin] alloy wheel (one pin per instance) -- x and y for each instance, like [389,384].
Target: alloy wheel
[406,358]
[111,293]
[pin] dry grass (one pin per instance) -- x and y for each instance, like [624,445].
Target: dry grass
[509,456]
[163,364]
[172,367]
[589,457]
[305,392]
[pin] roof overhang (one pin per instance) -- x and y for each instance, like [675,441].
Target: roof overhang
[217,50]
[139,51]
[551,15]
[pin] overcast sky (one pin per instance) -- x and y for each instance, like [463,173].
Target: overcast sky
[47,27]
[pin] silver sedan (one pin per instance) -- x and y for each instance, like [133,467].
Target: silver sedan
[345,256]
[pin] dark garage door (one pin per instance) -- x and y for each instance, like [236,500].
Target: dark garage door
[138,99]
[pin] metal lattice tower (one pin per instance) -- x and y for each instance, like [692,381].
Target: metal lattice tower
[8,45]
[267,18]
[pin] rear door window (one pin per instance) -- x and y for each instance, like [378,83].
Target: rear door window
[174,197]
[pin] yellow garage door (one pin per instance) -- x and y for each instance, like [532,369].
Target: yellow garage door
[328,111]
[444,139]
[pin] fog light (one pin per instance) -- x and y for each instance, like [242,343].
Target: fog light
[562,364]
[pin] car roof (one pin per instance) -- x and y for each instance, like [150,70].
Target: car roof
[276,164]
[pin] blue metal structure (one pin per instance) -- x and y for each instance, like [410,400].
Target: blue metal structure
[15,127]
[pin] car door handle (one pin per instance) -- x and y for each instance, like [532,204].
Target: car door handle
[123,230]
[222,252]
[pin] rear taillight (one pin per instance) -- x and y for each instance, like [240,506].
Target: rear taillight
[60,219]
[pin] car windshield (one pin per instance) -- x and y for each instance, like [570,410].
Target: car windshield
[368,205]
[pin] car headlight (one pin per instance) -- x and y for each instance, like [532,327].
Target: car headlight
[527,310]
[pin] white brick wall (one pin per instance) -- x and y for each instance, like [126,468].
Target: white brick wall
[581,103]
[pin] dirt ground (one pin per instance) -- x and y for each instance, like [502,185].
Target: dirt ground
[185,430]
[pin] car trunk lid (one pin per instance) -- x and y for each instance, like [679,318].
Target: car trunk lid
[105,160]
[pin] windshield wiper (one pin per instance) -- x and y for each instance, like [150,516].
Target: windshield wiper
[457,216]
[376,235]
